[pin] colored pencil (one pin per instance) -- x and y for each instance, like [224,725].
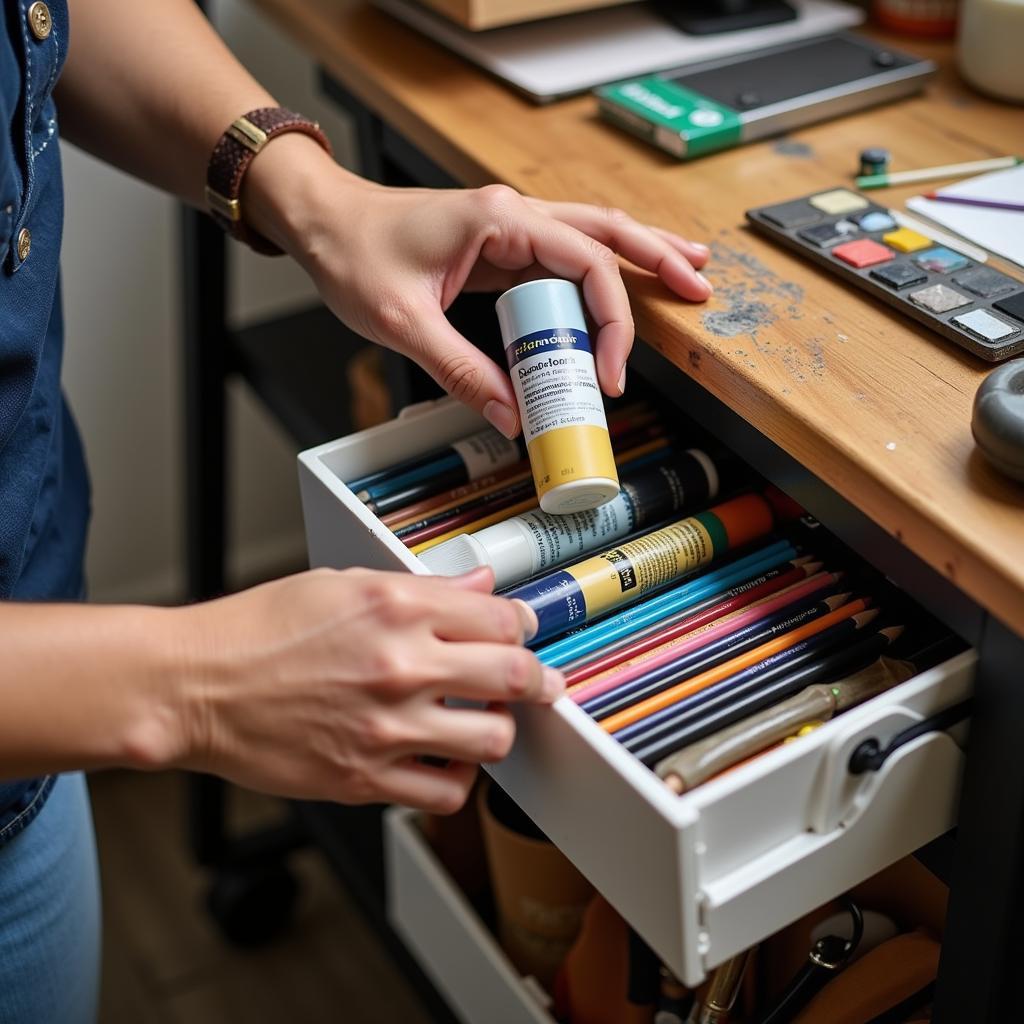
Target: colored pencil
[659,702]
[869,181]
[748,592]
[992,204]
[648,679]
[452,497]
[419,492]
[822,659]
[514,491]
[753,734]
[626,462]
[684,638]
[478,524]
[464,521]
[620,624]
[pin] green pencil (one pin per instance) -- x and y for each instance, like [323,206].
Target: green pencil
[868,181]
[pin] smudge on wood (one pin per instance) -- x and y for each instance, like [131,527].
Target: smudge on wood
[789,147]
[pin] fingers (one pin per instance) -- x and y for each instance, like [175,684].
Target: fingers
[481,581]
[697,253]
[671,257]
[468,735]
[569,253]
[424,334]
[490,673]
[428,787]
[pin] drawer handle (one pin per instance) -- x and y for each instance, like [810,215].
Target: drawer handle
[870,755]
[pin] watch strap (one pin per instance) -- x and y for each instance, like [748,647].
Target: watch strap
[231,157]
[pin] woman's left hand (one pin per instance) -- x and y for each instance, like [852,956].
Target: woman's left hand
[390,261]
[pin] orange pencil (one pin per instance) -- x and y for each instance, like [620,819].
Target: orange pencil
[714,675]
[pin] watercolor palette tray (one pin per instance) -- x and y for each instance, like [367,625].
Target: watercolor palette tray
[974,306]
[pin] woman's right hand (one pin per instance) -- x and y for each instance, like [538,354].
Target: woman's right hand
[330,685]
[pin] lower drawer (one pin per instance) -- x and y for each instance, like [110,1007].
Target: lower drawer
[448,939]
[705,875]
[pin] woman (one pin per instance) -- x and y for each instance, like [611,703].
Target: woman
[325,685]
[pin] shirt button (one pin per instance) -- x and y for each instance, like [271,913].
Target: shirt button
[24,244]
[40,21]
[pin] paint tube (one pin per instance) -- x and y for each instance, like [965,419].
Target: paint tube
[555,381]
[536,542]
[573,596]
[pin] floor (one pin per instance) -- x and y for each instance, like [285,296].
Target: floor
[164,963]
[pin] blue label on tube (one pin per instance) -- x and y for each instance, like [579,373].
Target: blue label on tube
[546,341]
[558,601]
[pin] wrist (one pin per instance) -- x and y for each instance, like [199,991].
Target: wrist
[291,189]
[154,727]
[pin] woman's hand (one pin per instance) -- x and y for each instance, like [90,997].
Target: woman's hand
[330,685]
[389,262]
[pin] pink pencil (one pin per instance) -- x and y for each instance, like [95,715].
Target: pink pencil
[676,649]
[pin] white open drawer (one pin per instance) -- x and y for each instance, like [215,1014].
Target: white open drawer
[706,875]
[448,939]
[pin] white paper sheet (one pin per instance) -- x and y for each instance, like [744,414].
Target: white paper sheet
[999,231]
[551,58]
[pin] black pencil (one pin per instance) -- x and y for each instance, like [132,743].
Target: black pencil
[757,694]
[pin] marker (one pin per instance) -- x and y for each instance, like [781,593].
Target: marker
[748,593]
[869,181]
[992,204]
[684,637]
[727,642]
[654,609]
[534,542]
[666,699]
[813,705]
[728,701]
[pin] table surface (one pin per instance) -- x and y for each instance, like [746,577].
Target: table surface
[876,406]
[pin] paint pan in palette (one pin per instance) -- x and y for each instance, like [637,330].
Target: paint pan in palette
[930,280]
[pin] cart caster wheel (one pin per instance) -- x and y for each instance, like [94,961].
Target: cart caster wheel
[253,905]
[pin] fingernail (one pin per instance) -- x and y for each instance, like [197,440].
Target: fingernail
[622,382]
[501,417]
[529,618]
[701,248]
[554,683]
[706,281]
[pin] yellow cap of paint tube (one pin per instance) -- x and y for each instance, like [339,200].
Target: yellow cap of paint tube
[555,380]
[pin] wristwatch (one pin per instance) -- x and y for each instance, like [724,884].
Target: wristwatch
[231,157]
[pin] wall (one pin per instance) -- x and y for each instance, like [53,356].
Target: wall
[123,369]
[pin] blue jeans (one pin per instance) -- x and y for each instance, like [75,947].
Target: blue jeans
[50,914]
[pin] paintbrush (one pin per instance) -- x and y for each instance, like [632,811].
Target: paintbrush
[815,704]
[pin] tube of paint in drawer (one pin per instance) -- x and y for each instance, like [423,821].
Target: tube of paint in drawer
[575,595]
[535,542]
[555,380]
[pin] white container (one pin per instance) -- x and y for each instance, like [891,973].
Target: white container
[990,41]
[554,377]
[703,876]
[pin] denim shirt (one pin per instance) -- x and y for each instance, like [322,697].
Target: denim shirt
[44,490]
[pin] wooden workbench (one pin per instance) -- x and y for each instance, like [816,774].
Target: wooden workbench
[873,404]
[855,396]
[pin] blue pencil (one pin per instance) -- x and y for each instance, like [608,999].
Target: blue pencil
[400,481]
[683,596]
